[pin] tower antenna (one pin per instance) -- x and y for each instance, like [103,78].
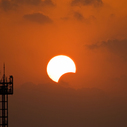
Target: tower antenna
[4,73]
[6,88]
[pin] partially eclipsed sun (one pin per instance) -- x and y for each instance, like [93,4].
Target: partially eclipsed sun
[60,65]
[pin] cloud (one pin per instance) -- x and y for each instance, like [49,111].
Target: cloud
[38,18]
[48,2]
[118,47]
[87,2]
[14,4]
[34,2]
[29,2]
[51,105]
[7,5]
[78,16]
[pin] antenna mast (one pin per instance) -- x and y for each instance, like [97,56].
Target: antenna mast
[4,73]
[6,88]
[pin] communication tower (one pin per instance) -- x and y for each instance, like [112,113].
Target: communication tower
[6,88]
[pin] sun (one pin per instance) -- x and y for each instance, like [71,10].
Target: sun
[60,65]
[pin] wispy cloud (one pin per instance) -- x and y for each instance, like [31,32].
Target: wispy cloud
[118,47]
[7,5]
[78,16]
[38,18]
[87,2]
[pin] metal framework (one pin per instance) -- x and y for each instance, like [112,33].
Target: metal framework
[6,88]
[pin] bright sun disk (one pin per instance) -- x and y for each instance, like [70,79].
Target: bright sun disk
[60,65]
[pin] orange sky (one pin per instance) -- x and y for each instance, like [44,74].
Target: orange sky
[92,33]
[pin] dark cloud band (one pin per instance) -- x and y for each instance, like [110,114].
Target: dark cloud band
[14,4]
[118,47]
